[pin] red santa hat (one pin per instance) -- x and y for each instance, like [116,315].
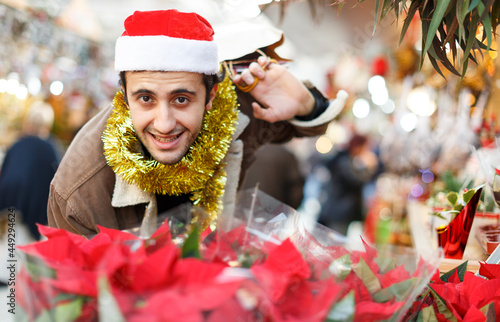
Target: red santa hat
[167,40]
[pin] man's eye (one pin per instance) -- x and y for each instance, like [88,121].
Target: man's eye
[145,99]
[181,100]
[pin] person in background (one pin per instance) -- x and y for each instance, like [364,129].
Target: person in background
[28,167]
[177,133]
[350,170]
[276,172]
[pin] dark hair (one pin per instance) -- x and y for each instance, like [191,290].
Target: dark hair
[208,80]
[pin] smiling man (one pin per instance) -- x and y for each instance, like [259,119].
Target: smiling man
[167,111]
[178,131]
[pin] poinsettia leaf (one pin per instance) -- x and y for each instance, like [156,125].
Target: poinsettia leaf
[490,271]
[64,297]
[474,314]
[68,311]
[341,267]
[460,270]
[191,244]
[481,291]
[37,268]
[427,314]
[489,312]
[399,291]
[385,264]
[45,316]
[109,309]
[21,314]
[442,307]
[366,275]
[343,310]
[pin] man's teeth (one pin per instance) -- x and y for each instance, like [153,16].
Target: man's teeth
[166,140]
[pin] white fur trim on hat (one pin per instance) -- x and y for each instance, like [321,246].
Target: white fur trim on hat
[163,53]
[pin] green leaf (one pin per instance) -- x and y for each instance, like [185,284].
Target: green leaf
[37,268]
[461,13]
[427,314]
[341,267]
[473,5]
[452,198]
[20,315]
[109,310]
[191,244]
[465,66]
[385,264]
[443,308]
[468,195]
[68,311]
[495,11]
[489,312]
[64,297]
[486,23]
[409,17]
[471,36]
[45,316]
[437,18]
[366,275]
[343,310]
[377,3]
[399,290]
[460,269]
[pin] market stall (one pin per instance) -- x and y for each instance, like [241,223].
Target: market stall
[423,83]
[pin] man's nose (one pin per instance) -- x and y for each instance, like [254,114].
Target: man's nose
[165,119]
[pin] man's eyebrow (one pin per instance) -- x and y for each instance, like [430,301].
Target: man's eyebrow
[142,91]
[182,91]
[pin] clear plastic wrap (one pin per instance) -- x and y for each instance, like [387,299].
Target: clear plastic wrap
[267,264]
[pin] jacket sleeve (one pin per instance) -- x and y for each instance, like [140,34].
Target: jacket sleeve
[324,111]
[60,215]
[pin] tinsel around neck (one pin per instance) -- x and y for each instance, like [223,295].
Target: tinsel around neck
[200,172]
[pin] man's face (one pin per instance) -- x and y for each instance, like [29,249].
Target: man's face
[167,110]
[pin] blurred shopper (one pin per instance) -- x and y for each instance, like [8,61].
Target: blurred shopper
[277,173]
[350,169]
[28,168]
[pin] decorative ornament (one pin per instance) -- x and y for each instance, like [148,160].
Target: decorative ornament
[453,237]
[200,172]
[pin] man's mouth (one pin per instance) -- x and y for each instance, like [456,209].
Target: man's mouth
[166,139]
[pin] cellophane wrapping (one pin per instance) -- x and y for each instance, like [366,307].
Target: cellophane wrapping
[265,264]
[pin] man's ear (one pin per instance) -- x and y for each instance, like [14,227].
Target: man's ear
[212,96]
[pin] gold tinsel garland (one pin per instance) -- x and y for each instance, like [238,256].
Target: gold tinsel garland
[200,172]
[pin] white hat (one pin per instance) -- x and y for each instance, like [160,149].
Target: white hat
[242,38]
[167,40]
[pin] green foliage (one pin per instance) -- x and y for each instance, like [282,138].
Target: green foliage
[460,269]
[447,25]
[191,244]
